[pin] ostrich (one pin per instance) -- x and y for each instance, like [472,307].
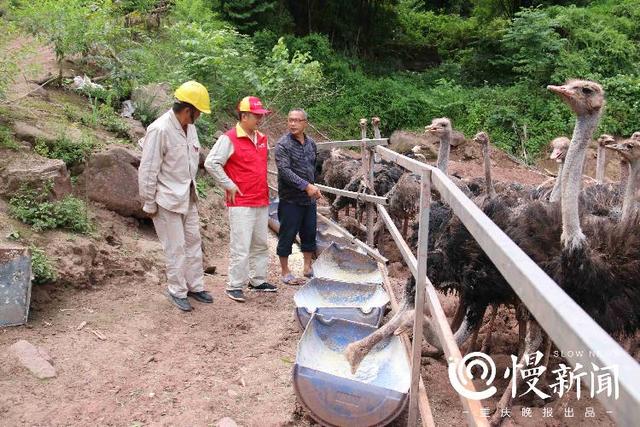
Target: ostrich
[560,146]
[595,261]
[604,139]
[442,129]
[404,200]
[630,151]
[337,171]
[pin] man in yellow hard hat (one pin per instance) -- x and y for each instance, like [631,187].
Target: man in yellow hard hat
[238,161]
[167,183]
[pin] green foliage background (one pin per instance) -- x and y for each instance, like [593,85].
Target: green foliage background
[483,63]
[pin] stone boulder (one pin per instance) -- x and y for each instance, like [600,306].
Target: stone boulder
[24,131]
[35,359]
[25,168]
[135,129]
[154,98]
[111,178]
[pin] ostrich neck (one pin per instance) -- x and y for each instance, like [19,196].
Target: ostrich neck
[555,193]
[624,174]
[572,236]
[629,201]
[600,162]
[488,182]
[443,152]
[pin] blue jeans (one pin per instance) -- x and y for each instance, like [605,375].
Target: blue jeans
[296,219]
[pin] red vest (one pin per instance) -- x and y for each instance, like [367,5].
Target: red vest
[247,168]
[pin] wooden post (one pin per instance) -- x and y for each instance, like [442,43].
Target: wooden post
[368,177]
[421,282]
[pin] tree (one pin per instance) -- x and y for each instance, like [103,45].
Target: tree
[247,15]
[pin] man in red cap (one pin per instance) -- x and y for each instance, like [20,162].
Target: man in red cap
[238,161]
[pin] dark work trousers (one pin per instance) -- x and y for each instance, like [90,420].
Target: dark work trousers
[296,219]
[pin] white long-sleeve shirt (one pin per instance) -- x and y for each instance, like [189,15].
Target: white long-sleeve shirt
[218,156]
[169,165]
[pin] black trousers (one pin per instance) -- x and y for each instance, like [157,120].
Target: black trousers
[296,219]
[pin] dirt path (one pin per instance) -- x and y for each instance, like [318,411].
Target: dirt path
[157,366]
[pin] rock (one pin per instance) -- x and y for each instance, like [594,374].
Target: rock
[457,138]
[111,178]
[226,422]
[27,132]
[135,130]
[204,152]
[36,360]
[467,153]
[18,169]
[155,98]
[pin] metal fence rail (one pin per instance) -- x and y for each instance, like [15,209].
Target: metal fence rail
[568,325]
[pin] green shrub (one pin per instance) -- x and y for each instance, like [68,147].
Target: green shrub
[33,207]
[41,267]
[70,152]
[6,139]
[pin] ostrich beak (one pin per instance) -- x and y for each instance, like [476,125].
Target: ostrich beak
[560,90]
[557,154]
[620,148]
[429,128]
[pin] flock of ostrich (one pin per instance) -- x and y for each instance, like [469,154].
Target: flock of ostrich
[583,233]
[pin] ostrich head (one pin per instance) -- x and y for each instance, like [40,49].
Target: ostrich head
[439,127]
[481,138]
[605,139]
[583,96]
[629,150]
[560,146]
[635,136]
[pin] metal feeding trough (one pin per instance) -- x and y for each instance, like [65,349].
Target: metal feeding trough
[346,265]
[358,302]
[273,221]
[325,237]
[374,396]
[15,285]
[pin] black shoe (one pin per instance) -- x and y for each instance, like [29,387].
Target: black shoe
[235,294]
[202,296]
[264,287]
[181,303]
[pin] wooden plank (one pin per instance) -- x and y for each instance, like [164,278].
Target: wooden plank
[351,143]
[354,195]
[369,250]
[450,348]
[423,400]
[367,165]
[423,239]
[407,163]
[571,329]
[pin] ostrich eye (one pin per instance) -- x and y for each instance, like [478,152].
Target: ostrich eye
[587,91]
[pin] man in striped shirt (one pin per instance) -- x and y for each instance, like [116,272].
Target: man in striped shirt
[295,155]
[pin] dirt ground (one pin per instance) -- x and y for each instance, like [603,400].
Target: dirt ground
[139,361]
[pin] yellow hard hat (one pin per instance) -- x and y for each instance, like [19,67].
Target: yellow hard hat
[195,94]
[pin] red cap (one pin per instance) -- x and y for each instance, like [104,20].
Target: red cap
[252,104]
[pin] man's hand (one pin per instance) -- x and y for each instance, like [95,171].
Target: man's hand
[232,194]
[313,192]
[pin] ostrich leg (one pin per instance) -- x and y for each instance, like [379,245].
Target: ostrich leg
[458,316]
[405,227]
[486,343]
[532,340]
